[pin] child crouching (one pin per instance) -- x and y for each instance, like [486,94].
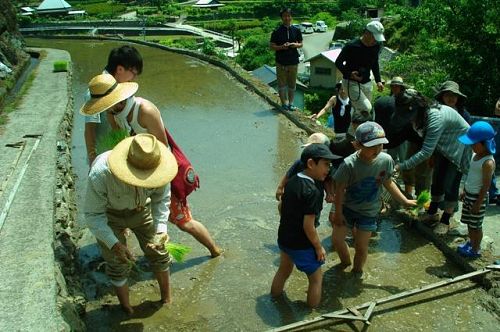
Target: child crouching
[482,166]
[298,239]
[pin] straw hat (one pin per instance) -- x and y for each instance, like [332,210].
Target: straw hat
[105,92]
[450,86]
[142,161]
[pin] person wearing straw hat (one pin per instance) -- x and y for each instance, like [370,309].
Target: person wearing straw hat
[128,187]
[138,115]
[449,94]
[397,86]
[125,64]
[356,60]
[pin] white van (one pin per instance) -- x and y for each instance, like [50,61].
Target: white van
[320,26]
[306,27]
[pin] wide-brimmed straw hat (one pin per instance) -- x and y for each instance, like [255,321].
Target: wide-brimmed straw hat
[142,161]
[105,92]
[398,80]
[448,86]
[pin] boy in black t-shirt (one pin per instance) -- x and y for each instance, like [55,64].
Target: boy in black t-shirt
[298,239]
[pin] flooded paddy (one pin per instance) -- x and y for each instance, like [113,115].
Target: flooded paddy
[240,147]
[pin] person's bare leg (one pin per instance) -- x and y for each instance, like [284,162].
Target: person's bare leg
[476,236]
[163,279]
[314,289]
[281,276]
[201,234]
[123,297]
[361,241]
[339,235]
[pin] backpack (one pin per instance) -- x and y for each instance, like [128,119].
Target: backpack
[186,180]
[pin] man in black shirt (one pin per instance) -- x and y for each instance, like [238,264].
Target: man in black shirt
[285,41]
[355,61]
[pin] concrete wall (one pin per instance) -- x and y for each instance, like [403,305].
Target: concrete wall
[321,80]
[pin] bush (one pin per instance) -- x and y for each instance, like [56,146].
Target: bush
[255,53]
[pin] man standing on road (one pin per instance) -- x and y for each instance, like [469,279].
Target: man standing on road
[355,61]
[285,41]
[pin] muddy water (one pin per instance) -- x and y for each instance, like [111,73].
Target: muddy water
[241,148]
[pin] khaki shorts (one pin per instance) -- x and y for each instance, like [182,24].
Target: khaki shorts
[286,75]
[141,223]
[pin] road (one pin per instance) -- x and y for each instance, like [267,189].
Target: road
[314,44]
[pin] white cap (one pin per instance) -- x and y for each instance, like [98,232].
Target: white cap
[377,30]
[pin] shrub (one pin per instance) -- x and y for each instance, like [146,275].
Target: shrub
[60,65]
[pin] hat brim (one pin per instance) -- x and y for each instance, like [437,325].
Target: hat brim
[378,37]
[465,139]
[439,94]
[377,141]
[144,178]
[120,93]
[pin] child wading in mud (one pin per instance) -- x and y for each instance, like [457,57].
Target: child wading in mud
[358,183]
[298,239]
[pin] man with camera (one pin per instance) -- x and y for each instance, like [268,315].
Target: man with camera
[355,61]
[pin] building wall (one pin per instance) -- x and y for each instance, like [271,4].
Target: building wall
[324,73]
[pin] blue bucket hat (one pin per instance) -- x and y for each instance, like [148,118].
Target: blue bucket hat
[480,131]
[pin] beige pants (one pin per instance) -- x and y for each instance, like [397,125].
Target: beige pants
[141,223]
[287,76]
[360,96]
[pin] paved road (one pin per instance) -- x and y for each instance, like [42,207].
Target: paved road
[314,44]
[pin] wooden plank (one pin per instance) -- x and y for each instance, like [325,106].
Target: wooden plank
[350,317]
[355,312]
[369,311]
[388,299]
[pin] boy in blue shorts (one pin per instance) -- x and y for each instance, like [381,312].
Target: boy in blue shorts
[298,239]
[481,136]
[358,185]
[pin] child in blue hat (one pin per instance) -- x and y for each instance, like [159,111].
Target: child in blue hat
[481,136]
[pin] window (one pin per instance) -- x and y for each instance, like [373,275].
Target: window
[322,71]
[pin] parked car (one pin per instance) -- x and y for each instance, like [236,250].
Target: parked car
[298,26]
[306,27]
[336,44]
[320,26]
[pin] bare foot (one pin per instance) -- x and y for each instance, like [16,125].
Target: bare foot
[165,302]
[341,266]
[216,252]
[128,310]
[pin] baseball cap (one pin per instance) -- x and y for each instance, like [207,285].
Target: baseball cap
[480,131]
[370,134]
[316,150]
[377,29]
[317,138]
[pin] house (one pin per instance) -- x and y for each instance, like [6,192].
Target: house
[213,4]
[373,12]
[323,72]
[51,7]
[267,74]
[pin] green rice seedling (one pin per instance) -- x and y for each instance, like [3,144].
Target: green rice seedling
[423,198]
[60,65]
[177,250]
[110,140]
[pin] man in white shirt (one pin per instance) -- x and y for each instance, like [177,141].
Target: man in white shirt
[128,187]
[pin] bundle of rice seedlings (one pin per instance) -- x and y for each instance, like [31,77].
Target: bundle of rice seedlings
[110,140]
[422,200]
[60,65]
[177,250]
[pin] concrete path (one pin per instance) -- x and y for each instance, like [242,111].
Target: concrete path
[28,288]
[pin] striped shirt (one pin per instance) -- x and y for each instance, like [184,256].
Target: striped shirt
[444,126]
[105,191]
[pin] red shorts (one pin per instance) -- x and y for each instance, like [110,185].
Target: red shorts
[179,212]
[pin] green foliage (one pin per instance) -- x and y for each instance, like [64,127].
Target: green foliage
[60,65]
[110,140]
[208,47]
[330,20]
[457,40]
[103,9]
[255,53]
[186,43]
[315,99]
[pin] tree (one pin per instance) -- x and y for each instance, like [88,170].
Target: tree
[255,53]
